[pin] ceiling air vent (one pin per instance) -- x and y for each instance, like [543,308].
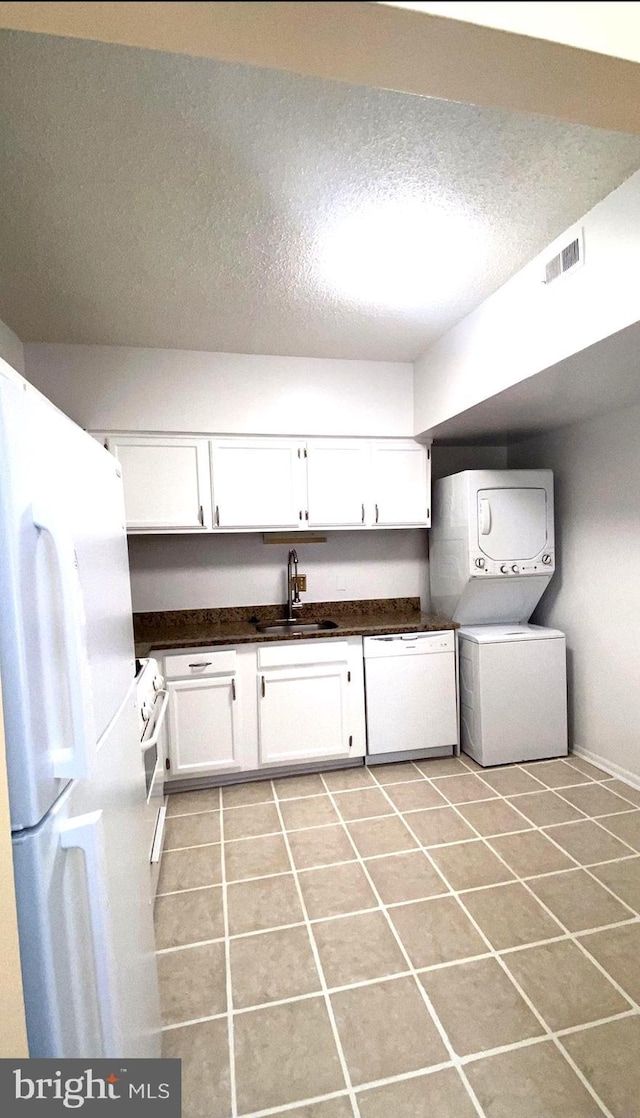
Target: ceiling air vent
[571,256]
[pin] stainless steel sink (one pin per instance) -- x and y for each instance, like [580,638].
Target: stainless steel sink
[282,626]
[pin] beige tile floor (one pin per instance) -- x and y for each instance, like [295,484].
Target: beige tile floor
[418,940]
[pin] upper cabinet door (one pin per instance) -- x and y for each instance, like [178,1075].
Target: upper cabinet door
[167,483]
[337,482]
[400,473]
[258,483]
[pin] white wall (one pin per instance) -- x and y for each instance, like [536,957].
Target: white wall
[595,594]
[446,460]
[612,28]
[11,348]
[126,389]
[116,388]
[206,572]
[526,326]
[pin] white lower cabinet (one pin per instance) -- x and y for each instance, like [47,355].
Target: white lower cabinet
[253,707]
[310,701]
[303,714]
[210,699]
[203,726]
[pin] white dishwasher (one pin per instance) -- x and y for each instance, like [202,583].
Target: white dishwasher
[411,698]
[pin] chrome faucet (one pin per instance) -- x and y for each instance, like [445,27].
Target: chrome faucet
[293,594]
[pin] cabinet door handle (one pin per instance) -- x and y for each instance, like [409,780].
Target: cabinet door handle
[217,516]
[264,690]
[306,514]
[363,514]
[233,689]
[376,514]
[300,514]
[201,515]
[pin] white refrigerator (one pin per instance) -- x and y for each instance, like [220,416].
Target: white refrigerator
[76,780]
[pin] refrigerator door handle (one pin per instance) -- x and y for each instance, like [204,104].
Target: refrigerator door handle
[85,833]
[72,762]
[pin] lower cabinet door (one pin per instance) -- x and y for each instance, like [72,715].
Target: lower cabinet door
[203,726]
[302,714]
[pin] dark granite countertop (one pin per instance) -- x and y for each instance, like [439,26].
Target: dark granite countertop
[197,628]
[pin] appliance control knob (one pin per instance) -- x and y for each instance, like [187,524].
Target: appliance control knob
[158,683]
[480,563]
[145,710]
[546,559]
[504,569]
[515,568]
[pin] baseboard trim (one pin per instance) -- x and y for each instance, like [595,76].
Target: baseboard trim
[609,766]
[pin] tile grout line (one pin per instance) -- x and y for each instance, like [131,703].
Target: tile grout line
[611,926]
[316,956]
[458,894]
[515,983]
[537,827]
[577,865]
[287,1108]
[563,937]
[554,1036]
[422,992]
[433,1069]
[492,953]
[572,937]
[601,781]
[227,963]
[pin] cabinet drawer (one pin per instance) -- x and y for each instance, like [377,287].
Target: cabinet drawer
[294,654]
[200,663]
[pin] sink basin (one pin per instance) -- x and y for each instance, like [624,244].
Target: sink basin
[283,626]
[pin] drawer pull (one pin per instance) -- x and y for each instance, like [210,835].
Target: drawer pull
[202,664]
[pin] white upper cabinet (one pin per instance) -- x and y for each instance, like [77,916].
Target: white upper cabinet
[177,483]
[400,483]
[337,482]
[258,483]
[167,484]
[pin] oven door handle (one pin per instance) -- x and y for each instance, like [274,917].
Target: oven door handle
[148,743]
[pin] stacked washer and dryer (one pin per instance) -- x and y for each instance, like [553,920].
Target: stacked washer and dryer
[491,559]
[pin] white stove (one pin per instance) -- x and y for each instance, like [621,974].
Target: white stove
[152,701]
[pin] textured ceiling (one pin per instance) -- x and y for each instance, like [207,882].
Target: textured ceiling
[157,200]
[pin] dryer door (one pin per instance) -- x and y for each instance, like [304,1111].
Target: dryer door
[512,523]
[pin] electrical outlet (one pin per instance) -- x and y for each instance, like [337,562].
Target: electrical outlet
[302,583]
